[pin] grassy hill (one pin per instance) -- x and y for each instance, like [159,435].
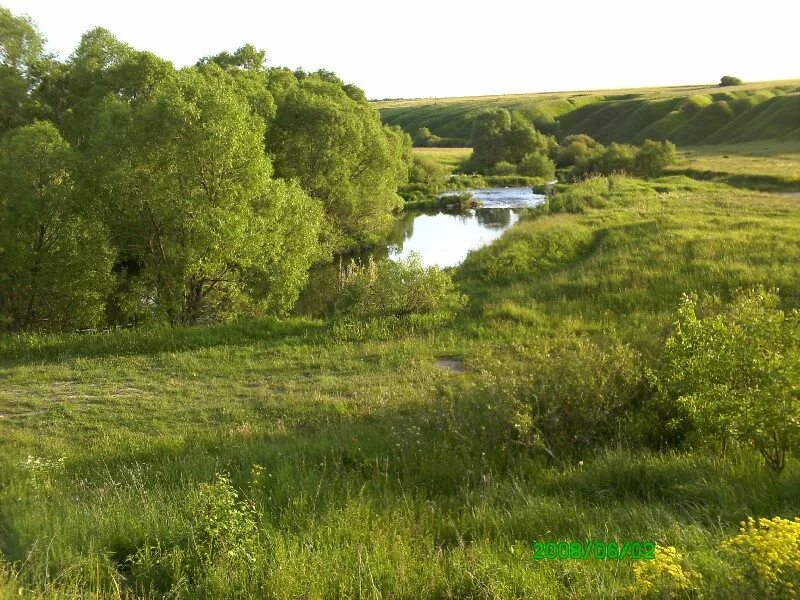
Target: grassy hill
[687,115]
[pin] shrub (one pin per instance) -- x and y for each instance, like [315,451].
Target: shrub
[427,172]
[504,168]
[653,157]
[223,523]
[422,136]
[537,165]
[572,153]
[614,158]
[223,539]
[402,288]
[767,554]
[728,80]
[515,181]
[736,373]
[573,393]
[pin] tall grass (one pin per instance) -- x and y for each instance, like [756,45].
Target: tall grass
[293,458]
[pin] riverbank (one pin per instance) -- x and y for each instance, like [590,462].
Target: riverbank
[354,465]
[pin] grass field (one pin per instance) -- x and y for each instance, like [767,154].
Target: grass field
[361,466]
[452,158]
[687,115]
[770,164]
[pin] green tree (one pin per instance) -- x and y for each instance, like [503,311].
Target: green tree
[522,139]
[246,58]
[728,80]
[488,139]
[576,149]
[342,155]
[21,50]
[614,158]
[736,373]
[102,66]
[246,71]
[203,231]
[21,44]
[55,263]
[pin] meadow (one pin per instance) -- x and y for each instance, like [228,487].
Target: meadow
[766,164]
[305,458]
[451,158]
[687,115]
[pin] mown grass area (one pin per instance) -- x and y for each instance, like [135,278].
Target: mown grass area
[452,158]
[380,472]
[769,164]
[687,115]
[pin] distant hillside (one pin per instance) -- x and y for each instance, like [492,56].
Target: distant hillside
[687,115]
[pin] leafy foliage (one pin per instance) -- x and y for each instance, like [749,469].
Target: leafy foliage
[341,154]
[396,288]
[736,373]
[204,232]
[573,394]
[537,164]
[653,157]
[21,53]
[55,260]
[205,193]
[729,80]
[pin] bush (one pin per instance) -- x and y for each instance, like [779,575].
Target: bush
[422,136]
[504,168]
[428,173]
[572,154]
[224,538]
[402,288]
[515,181]
[653,157]
[573,394]
[767,554]
[537,165]
[736,372]
[728,80]
[614,158]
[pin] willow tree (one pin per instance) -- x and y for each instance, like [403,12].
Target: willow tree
[203,231]
[333,143]
[54,261]
[21,49]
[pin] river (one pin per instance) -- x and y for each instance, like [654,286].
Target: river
[440,237]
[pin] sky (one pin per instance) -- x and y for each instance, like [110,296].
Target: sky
[439,48]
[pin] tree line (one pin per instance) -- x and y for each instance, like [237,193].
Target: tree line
[507,143]
[132,191]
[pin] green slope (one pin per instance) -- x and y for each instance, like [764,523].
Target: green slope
[685,115]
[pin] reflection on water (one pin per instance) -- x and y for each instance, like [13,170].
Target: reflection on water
[442,238]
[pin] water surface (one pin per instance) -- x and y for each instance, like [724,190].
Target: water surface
[441,238]
[444,239]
